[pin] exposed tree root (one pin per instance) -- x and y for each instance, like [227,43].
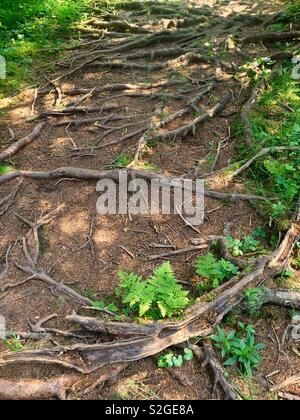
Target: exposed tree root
[118,25]
[91,174]
[199,320]
[126,86]
[80,110]
[261,153]
[107,378]
[282,297]
[185,129]
[7,201]
[270,37]
[295,379]
[230,393]
[18,145]
[183,60]
[36,389]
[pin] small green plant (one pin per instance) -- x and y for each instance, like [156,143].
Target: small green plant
[158,296]
[243,352]
[253,299]
[13,344]
[216,271]
[240,247]
[172,360]
[101,305]
[259,232]
[121,161]
[5,169]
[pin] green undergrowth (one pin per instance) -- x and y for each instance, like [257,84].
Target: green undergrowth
[276,122]
[31,32]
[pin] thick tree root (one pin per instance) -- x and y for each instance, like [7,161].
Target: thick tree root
[230,393]
[36,389]
[91,174]
[107,378]
[118,25]
[199,320]
[18,145]
[183,60]
[270,37]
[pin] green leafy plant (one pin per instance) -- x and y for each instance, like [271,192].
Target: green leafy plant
[243,352]
[259,232]
[216,271]
[254,299]
[158,296]
[172,360]
[101,305]
[121,161]
[240,247]
[4,169]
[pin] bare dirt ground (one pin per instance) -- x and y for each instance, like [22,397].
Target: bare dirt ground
[123,242]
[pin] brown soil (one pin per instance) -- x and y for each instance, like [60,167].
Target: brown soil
[61,239]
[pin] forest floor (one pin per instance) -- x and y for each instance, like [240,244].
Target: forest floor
[85,250]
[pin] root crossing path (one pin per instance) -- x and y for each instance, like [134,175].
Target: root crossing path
[153,88]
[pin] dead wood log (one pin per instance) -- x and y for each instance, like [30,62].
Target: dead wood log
[97,325]
[91,174]
[199,320]
[36,389]
[18,145]
[270,37]
[230,393]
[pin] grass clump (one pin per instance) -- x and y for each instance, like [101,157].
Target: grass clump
[276,122]
[31,32]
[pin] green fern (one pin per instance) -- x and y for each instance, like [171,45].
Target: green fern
[216,271]
[159,296]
